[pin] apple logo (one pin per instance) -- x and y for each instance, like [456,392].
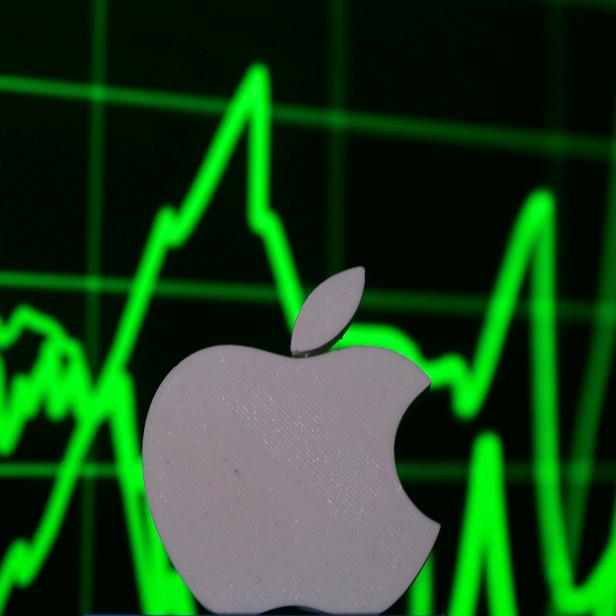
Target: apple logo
[272,480]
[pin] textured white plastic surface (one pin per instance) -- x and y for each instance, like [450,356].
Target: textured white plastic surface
[327,312]
[272,480]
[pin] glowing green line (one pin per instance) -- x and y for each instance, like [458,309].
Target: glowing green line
[336,145]
[446,471]
[597,372]
[94,232]
[457,304]
[61,383]
[49,470]
[531,243]
[595,4]
[420,598]
[398,127]
[484,536]
[514,472]
[177,289]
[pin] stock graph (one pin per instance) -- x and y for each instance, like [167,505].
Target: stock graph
[72,382]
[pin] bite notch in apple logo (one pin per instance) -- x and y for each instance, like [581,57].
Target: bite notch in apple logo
[272,480]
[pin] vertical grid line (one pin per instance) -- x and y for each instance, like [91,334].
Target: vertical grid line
[336,153]
[96,147]
[555,107]
[556,89]
[596,376]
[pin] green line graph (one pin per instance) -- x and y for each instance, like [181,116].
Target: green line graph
[61,383]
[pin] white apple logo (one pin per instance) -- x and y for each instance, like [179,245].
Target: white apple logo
[272,480]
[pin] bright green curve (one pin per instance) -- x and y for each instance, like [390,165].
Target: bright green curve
[61,383]
[484,536]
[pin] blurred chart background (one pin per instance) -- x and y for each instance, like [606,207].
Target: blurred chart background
[179,175]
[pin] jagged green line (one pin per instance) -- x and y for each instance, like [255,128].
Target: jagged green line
[61,383]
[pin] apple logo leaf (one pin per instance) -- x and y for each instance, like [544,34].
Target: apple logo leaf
[327,312]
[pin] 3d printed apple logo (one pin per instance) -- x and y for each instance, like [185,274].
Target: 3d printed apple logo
[272,480]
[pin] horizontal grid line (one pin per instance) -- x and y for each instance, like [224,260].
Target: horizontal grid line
[516,471]
[569,310]
[543,142]
[608,5]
